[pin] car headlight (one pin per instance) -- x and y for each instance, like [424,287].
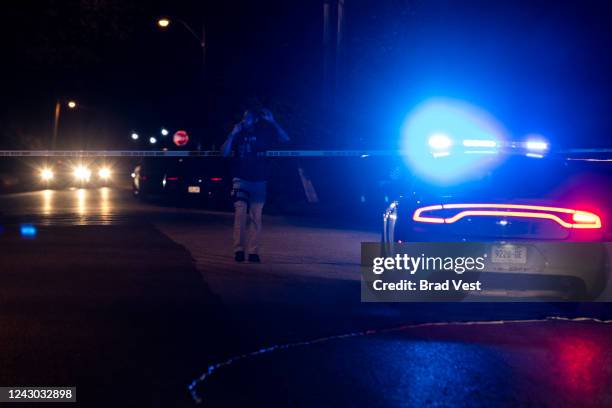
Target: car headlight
[46,174]
[82,173]
[104,173]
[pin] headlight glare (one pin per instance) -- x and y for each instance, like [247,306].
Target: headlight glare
[82,173]
[104,173]
[46,174]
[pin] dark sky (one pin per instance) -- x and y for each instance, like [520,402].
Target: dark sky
[128,74]
[539,66]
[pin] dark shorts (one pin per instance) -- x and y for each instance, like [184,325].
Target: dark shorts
[249,191]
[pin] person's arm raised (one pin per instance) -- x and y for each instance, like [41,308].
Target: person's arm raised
[282,135]
[226,147]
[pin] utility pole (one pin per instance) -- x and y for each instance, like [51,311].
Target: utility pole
[339,35]
[333,32]
[203,44]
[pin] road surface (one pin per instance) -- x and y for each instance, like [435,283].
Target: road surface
[132,302]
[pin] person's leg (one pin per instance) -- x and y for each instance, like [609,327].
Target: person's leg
[240,218]
[258,198]
[255,212]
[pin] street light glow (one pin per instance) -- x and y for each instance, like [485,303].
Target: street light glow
[135,136]
[152,140]
[164,132]
[163,22]
[72,104]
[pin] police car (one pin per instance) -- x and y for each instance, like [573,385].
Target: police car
[515,200]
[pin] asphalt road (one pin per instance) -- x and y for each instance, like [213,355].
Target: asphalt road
[132,301]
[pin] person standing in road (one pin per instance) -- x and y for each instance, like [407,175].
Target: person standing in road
[246,145]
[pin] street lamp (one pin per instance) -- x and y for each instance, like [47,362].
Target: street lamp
[58,111]
[164,132]
[135,136]
[152,140]
[165,22]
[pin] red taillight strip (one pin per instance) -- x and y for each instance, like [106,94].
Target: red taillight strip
[596,223]
[531,211]
[493,213]
[436,220]
[513,206]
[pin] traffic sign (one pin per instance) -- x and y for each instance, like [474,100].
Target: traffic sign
[180,138]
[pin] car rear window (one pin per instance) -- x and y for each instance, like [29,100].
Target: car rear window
[187,165]
[523,177]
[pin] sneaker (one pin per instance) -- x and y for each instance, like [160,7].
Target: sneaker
[239,256]
[254,258]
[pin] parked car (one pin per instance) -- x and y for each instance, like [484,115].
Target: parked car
[72,173]
[204,178]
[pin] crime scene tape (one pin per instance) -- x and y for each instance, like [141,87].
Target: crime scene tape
[105,153]
[189,153]
[215,153]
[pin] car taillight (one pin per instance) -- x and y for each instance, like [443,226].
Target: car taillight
[583,219]
[455,212]
[216,179]
[172,178]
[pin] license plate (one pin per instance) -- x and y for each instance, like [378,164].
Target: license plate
[193,189]
[509,254]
